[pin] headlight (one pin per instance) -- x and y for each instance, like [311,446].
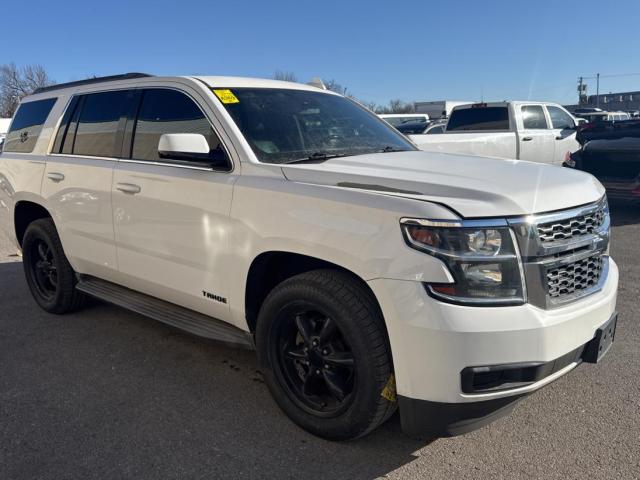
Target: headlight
[483,261]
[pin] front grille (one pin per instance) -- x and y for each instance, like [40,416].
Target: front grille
[575,277]
[570,228]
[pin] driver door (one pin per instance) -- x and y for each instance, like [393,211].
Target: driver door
[564,133]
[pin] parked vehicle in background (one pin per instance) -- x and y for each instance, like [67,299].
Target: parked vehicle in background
[634,113]
[611,153]
[436,126]
[4,128]
[534,131]
[272,215]
[594,117]
[438,109]
[397,119]
[581,110]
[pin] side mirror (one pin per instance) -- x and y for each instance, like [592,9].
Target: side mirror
[189,147]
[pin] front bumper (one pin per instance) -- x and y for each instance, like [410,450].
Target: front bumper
[433,342]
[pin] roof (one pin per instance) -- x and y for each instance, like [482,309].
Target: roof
[211,81]
[249,82]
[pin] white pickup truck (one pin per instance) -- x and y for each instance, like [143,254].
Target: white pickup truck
[534,131]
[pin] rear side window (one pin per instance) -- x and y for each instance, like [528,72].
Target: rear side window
[560,118]
[533,117]
[168,111]
[483,118]
[96,133]
[27,125]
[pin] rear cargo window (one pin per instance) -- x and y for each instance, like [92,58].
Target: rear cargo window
[483,118]
[27,125]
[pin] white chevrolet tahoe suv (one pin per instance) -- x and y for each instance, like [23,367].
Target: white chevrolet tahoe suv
[367,274]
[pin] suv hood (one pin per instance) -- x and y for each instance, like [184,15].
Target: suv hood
[472,186]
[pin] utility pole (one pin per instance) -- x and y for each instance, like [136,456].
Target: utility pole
[598,90]
[580,91]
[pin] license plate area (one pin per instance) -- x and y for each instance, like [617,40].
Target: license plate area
[601,343]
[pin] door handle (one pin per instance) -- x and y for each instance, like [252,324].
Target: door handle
[129,188]
[55,176]
[527,139]
[559,137]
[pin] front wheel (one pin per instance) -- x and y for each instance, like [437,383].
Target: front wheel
[323,351]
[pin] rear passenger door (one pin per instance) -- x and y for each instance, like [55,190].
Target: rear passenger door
[564,133]
[78,178]
[535,138]
[172,217]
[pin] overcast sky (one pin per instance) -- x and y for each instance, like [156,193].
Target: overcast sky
[420,50]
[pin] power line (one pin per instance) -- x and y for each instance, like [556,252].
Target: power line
[593,77]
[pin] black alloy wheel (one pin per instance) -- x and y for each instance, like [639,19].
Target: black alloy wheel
[49,275]
[315,361]
[44,268]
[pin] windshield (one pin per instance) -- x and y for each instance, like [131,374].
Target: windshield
[284,126]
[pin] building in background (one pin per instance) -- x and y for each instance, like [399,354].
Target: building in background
[612,102]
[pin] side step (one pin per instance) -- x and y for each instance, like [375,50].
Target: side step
[165,312]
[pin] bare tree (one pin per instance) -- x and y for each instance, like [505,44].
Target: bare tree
[335,87]
[396,106]
[18,82]
[285,76]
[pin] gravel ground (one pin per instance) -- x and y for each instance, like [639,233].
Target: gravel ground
[107,394]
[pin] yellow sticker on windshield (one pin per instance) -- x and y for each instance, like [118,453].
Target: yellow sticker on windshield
[226,96]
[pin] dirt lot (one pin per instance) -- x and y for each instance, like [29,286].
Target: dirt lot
[107,394]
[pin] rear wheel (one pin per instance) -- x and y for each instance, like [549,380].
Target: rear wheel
[323,351]
[49,275]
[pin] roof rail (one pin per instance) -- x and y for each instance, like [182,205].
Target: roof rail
[89,81]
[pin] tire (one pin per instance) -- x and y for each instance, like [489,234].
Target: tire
[51,279]
[334,388]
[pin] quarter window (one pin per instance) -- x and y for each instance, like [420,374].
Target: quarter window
[96,134]
[27,125]
[560,118]
[169,111]
[533,117]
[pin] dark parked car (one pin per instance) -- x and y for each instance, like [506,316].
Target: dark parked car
[416,128]
[611,152]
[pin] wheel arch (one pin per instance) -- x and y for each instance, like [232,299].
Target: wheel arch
[270,268]
[24,213]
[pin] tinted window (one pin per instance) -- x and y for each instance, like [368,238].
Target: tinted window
[560,118]
[63,129]
[98,124]
[169,111]
[283,125]
[533,117]
[482,118]
[27,124]
[395,121]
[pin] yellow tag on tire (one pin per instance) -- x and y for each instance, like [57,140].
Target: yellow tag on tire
[226,96]
[389,391]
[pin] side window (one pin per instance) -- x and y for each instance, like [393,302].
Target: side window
[96,132]
[64,127]
[27,125]
[168,111]
[533,117]
[560,118]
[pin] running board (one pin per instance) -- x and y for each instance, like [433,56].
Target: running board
[165,312]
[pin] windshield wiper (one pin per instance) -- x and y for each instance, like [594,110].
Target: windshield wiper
[389,149]
[316,157]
